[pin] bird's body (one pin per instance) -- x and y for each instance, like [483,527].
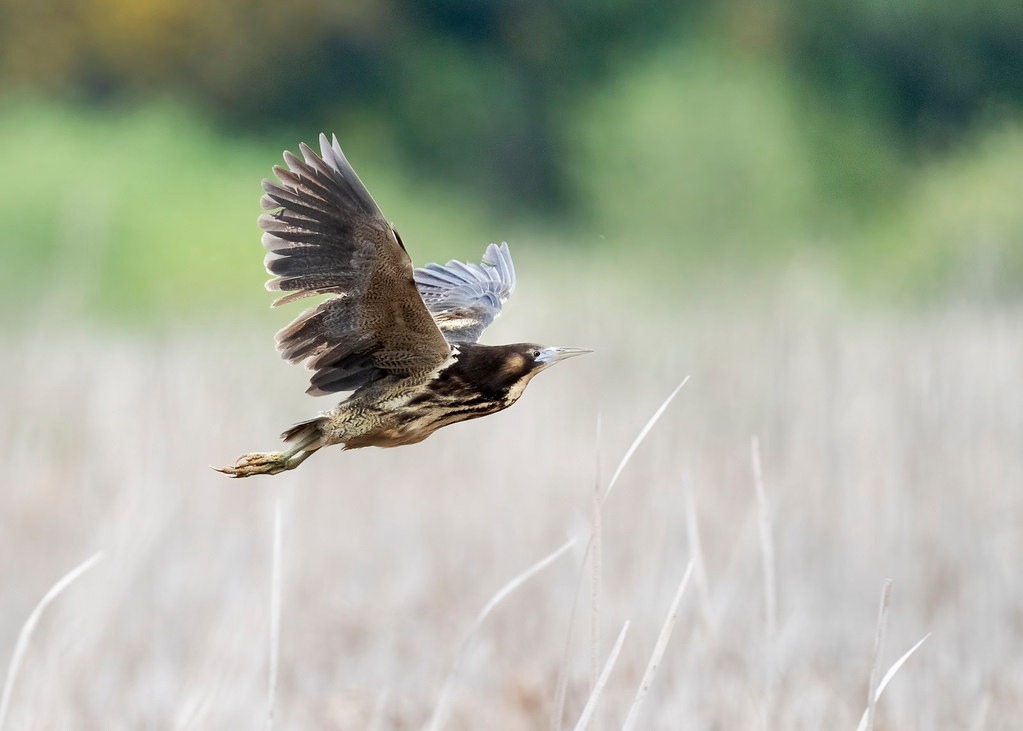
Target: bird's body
[403,341]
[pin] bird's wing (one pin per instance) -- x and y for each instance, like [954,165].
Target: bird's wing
[465,298]
[324,235]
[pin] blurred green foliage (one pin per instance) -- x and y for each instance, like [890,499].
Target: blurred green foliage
[148,211]
[667,139]
[959,229]
[726,151]
[479,89]
[131,209]
[437,74]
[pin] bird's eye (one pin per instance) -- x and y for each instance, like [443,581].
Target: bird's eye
[535,353]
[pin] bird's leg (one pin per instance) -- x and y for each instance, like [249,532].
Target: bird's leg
[269,463]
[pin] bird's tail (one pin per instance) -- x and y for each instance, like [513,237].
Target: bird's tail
[306,434]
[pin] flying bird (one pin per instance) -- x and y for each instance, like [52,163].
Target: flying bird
[403,341]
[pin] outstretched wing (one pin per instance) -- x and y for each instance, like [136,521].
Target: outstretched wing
[324,234]
[465,298]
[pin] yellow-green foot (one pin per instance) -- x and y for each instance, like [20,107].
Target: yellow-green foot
[264,463]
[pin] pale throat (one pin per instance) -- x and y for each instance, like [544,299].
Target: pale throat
[516,389]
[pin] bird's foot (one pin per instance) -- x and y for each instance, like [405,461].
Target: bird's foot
[263,463]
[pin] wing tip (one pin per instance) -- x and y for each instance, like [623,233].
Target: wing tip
[499,257]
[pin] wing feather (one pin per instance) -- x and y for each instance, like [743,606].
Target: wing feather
[464,298]
[324,234]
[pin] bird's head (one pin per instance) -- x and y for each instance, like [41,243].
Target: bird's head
[504,371]
[522,361]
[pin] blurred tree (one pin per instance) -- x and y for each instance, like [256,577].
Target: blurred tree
[484,91]
[930,68]
[453,80]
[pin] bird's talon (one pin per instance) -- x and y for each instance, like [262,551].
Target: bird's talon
[257,463]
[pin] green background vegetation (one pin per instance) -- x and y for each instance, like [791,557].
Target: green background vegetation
[880,142]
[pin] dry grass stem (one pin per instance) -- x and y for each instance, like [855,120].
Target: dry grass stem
[592,553]
[641,436]
[596,555]
[561,688]
[766,544]
[658,653]
[517,582]
[29,627]
[867,719]
[193,710]
[591,703]
[441,706]
[597,540]
[770,590]
[275,618]
[696,551]
[875,667]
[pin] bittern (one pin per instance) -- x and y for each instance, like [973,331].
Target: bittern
[402,340]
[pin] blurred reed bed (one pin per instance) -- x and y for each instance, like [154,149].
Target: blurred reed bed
[890,446]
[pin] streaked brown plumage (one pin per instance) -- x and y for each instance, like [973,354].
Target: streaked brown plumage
[402,340]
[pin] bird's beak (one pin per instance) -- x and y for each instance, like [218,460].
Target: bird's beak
[550,356]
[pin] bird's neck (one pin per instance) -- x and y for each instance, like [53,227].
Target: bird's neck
[498,372]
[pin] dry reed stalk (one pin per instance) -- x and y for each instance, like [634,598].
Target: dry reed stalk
[21,646]
[441,707]
[275,618]
[597,541]
[642,435]
[658,653]
[696,552]
[875,667]
[561,691]
[596,571]
[770,589]
[193,710]
[766,543]
[863,725]
[591,703]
